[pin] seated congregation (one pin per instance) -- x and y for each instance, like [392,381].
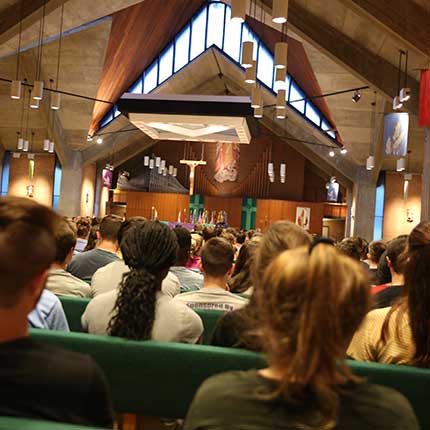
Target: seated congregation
[306,302]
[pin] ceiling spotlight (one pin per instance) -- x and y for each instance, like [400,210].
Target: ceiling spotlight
[238,10]
[401,165]
[99,140]
[397,104]
[357,96]
[331,154]
[280,11]
[344,151]
[370,162]
[405,94]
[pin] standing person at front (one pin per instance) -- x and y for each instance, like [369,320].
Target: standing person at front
[313,302]
[36,380]
[85,264]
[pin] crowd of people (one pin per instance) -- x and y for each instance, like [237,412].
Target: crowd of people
[305,301]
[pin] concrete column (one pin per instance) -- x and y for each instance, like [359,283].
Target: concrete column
[363,205]
[349,223]
[425,180]
[71,183]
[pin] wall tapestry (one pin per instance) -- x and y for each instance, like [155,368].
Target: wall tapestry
[227,162]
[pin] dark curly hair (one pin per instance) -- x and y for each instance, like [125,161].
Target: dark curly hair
[149,249]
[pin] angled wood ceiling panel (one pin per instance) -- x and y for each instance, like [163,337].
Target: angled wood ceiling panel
[138,35]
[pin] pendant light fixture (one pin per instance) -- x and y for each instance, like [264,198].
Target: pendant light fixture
[280,113]
[401,165]
[151,163]
[51,147]
[46,145]
[146,160]
[251,73]
[20,141]
[34,103]
[280,78]
[258,112]
[257,97]
[37,93]
[238,10]
[283,172]
[280,11]
[157,161]
[16,86]
[175,172]
[247,54]
[405,92]
[26,143]
[370,162]
[281,100]
[397,103]
[281,55]
[56,96]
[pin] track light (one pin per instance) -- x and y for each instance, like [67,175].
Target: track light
[55,101]
[46,144]
[281,55]
[247,54]
[370,162]
[344,151]
[357,96]
[281,100]
[331,154]
[280,113]
[258,112]
[238,10]
[251,73]
[99,140]
[37,92]
[280,11]
[397,104]
[15,90]
[401,165]
[257,97]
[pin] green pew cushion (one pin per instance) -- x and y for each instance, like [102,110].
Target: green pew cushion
[74,307]
[10,423]
[153,378]
[209,319]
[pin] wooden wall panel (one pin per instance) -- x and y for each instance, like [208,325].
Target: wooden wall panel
[335,210]
[396,207]
[43,179]
[138,34]
[140,204]
[269,211]
[233,207]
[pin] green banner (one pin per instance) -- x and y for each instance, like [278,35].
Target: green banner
[249,214]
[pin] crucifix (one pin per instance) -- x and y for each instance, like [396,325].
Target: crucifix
[192,164]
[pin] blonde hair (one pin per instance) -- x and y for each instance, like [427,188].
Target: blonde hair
[309,310]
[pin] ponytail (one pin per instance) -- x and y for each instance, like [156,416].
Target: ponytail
[310,309]
[149,249]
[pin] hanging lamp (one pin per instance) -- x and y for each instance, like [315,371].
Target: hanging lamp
[280,11]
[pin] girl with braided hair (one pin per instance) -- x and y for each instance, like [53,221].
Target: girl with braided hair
[139,309]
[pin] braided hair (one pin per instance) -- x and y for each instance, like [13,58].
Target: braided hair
[149,249]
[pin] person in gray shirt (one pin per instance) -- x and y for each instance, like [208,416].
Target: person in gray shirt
[189,279]
[84,265]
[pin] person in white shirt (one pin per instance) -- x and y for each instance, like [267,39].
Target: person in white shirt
[109,277]
[139,310]
[61,282]
[216,265]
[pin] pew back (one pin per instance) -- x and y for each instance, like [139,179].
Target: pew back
[160,379]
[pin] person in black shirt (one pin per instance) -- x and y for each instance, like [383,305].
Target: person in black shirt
[395,260]
[376,249]
[39,381]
